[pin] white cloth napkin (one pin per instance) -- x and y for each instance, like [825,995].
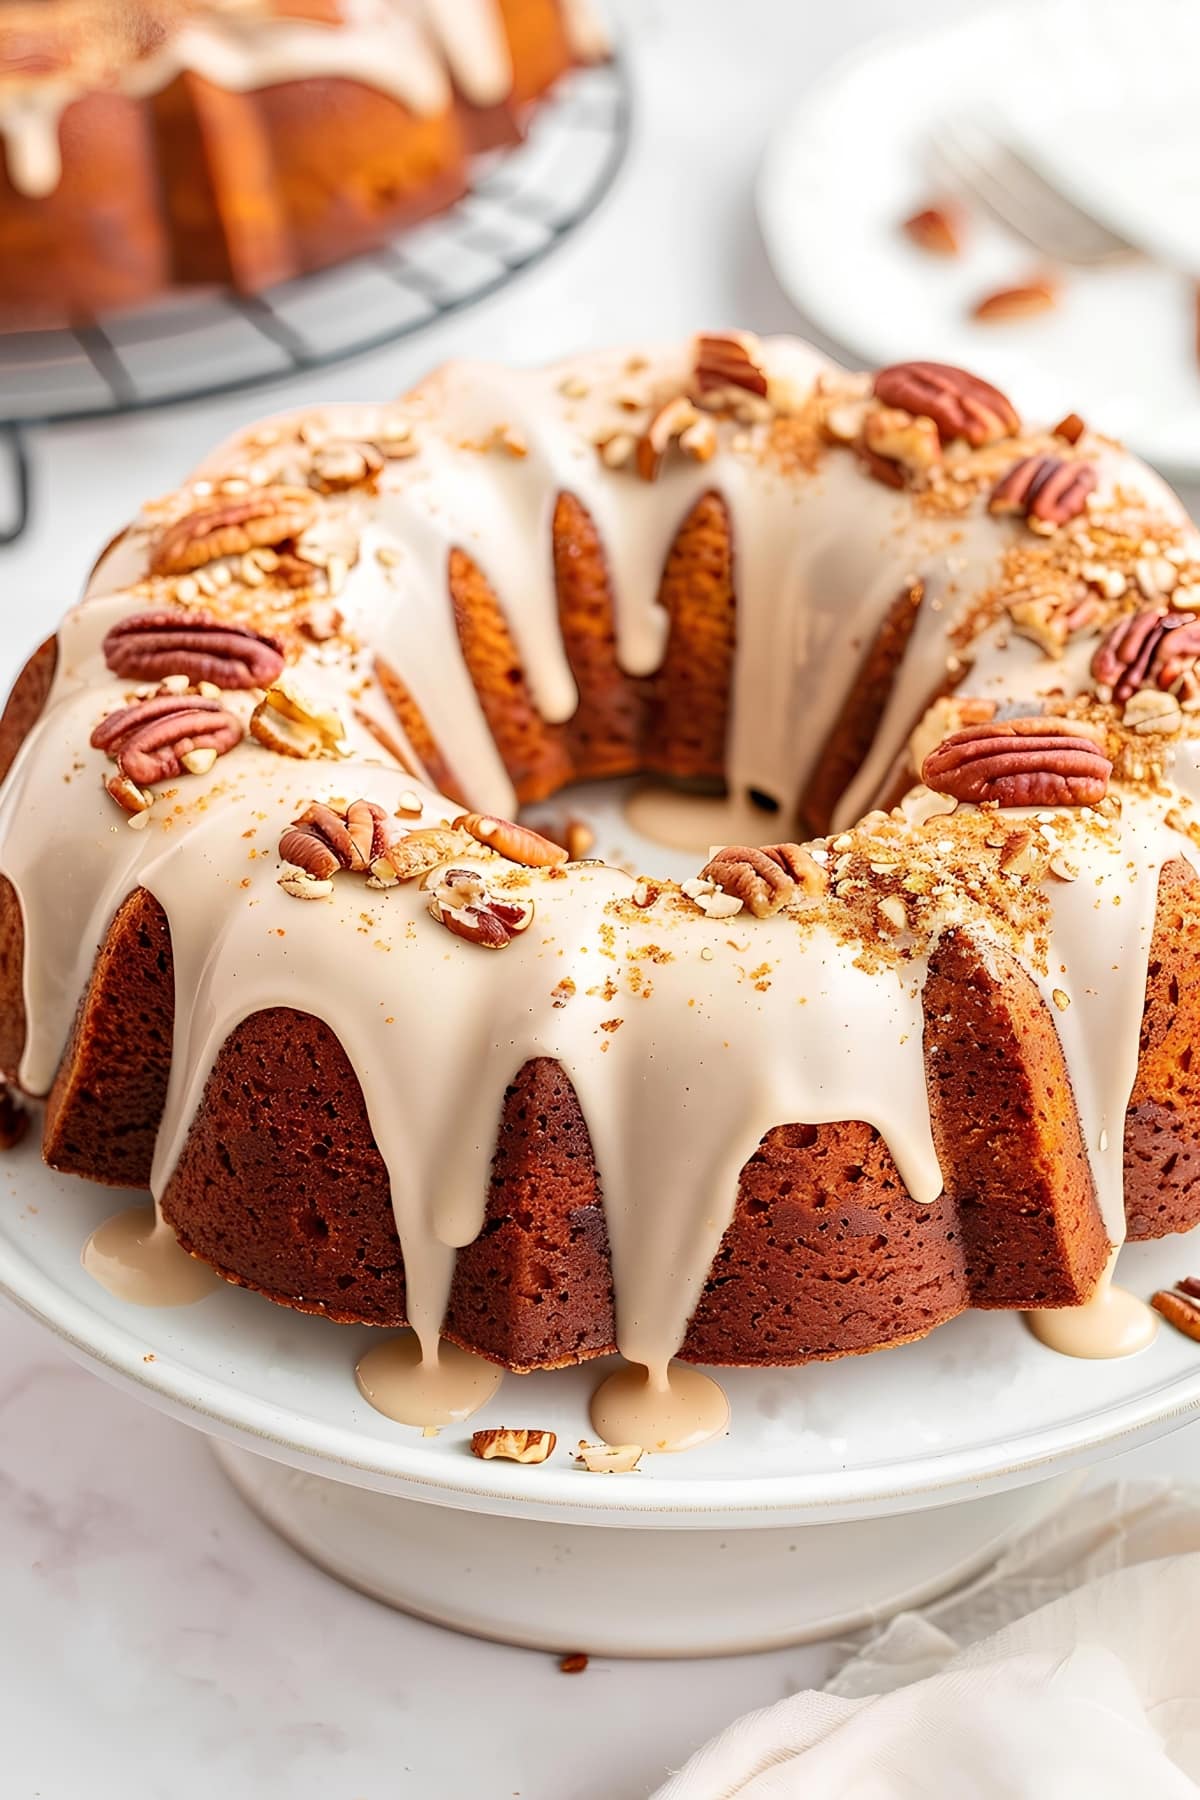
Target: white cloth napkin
[1071,1669]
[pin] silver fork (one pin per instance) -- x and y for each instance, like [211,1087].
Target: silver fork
[977,165]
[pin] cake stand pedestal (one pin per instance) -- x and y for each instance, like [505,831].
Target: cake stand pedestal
[616,1591]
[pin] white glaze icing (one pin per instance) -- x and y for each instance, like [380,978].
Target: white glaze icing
[415,51]
[665,1023]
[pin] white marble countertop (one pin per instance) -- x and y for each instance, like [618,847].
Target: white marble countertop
[158,1642]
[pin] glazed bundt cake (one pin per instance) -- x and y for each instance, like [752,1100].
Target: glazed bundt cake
[159,143]
[272,944]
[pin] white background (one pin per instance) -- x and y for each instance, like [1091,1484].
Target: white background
[156,1642]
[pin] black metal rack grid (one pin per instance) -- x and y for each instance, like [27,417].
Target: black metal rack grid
[521,203]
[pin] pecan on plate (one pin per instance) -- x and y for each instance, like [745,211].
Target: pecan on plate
[292,723]
[513,1444]
[157,739]
[231,524]
[1180,1307]
[960,404]
[152,645]
[516,842]
[935,229]
[322,840]
[1042,761]
[1044,488]
[765,880]
[464,905]
[1151,648]
[1024,302]
[727,360]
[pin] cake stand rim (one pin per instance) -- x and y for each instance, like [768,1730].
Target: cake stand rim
[124,1355]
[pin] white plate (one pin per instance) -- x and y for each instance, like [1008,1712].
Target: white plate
[847,166]
[979,1406]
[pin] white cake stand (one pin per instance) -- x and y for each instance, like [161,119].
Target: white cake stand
[842,1492]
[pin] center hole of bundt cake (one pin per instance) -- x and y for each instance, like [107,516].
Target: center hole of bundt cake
[692,818]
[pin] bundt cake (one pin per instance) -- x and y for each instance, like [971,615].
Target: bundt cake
[272,943]
[152,143]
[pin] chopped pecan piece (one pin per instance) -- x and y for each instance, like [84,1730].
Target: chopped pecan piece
[574,1664]
[1179,1307]
[512,1444]
[1041,761]
[906,443]
[516,842]
[609,1459]
[1024,302]
[935,229]
[960,404]
[464,905]
[292,723]
[1044,488]
[338,466]
[417,853]
[726,360]
[231,524]
[669,423]
[322,840]
[152,645]
[160,738]
[765,880]
[1151,648]
[1070,429]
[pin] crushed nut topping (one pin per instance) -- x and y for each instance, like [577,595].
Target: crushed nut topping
[165,736]
[669,423]
[907,442]
[151,646]
[518,843]
[960,404]
[229,525]
[513,1444]
[464,905]
[340,466]
[292,723]
[1070,429]
[1041,761]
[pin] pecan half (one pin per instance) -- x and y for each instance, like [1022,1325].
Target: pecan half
[765,880]
[1045,488]
[1041,761]
[464,905]
[516,842]
[726,360]
[513,1444]
[157,739]
[960,404]
[292,723]
[338,466]
[231,524]
[323,840]
[1151,648]
[152,645]
[1180,1309]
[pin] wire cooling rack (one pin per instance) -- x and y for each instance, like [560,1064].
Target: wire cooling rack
[521,203]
